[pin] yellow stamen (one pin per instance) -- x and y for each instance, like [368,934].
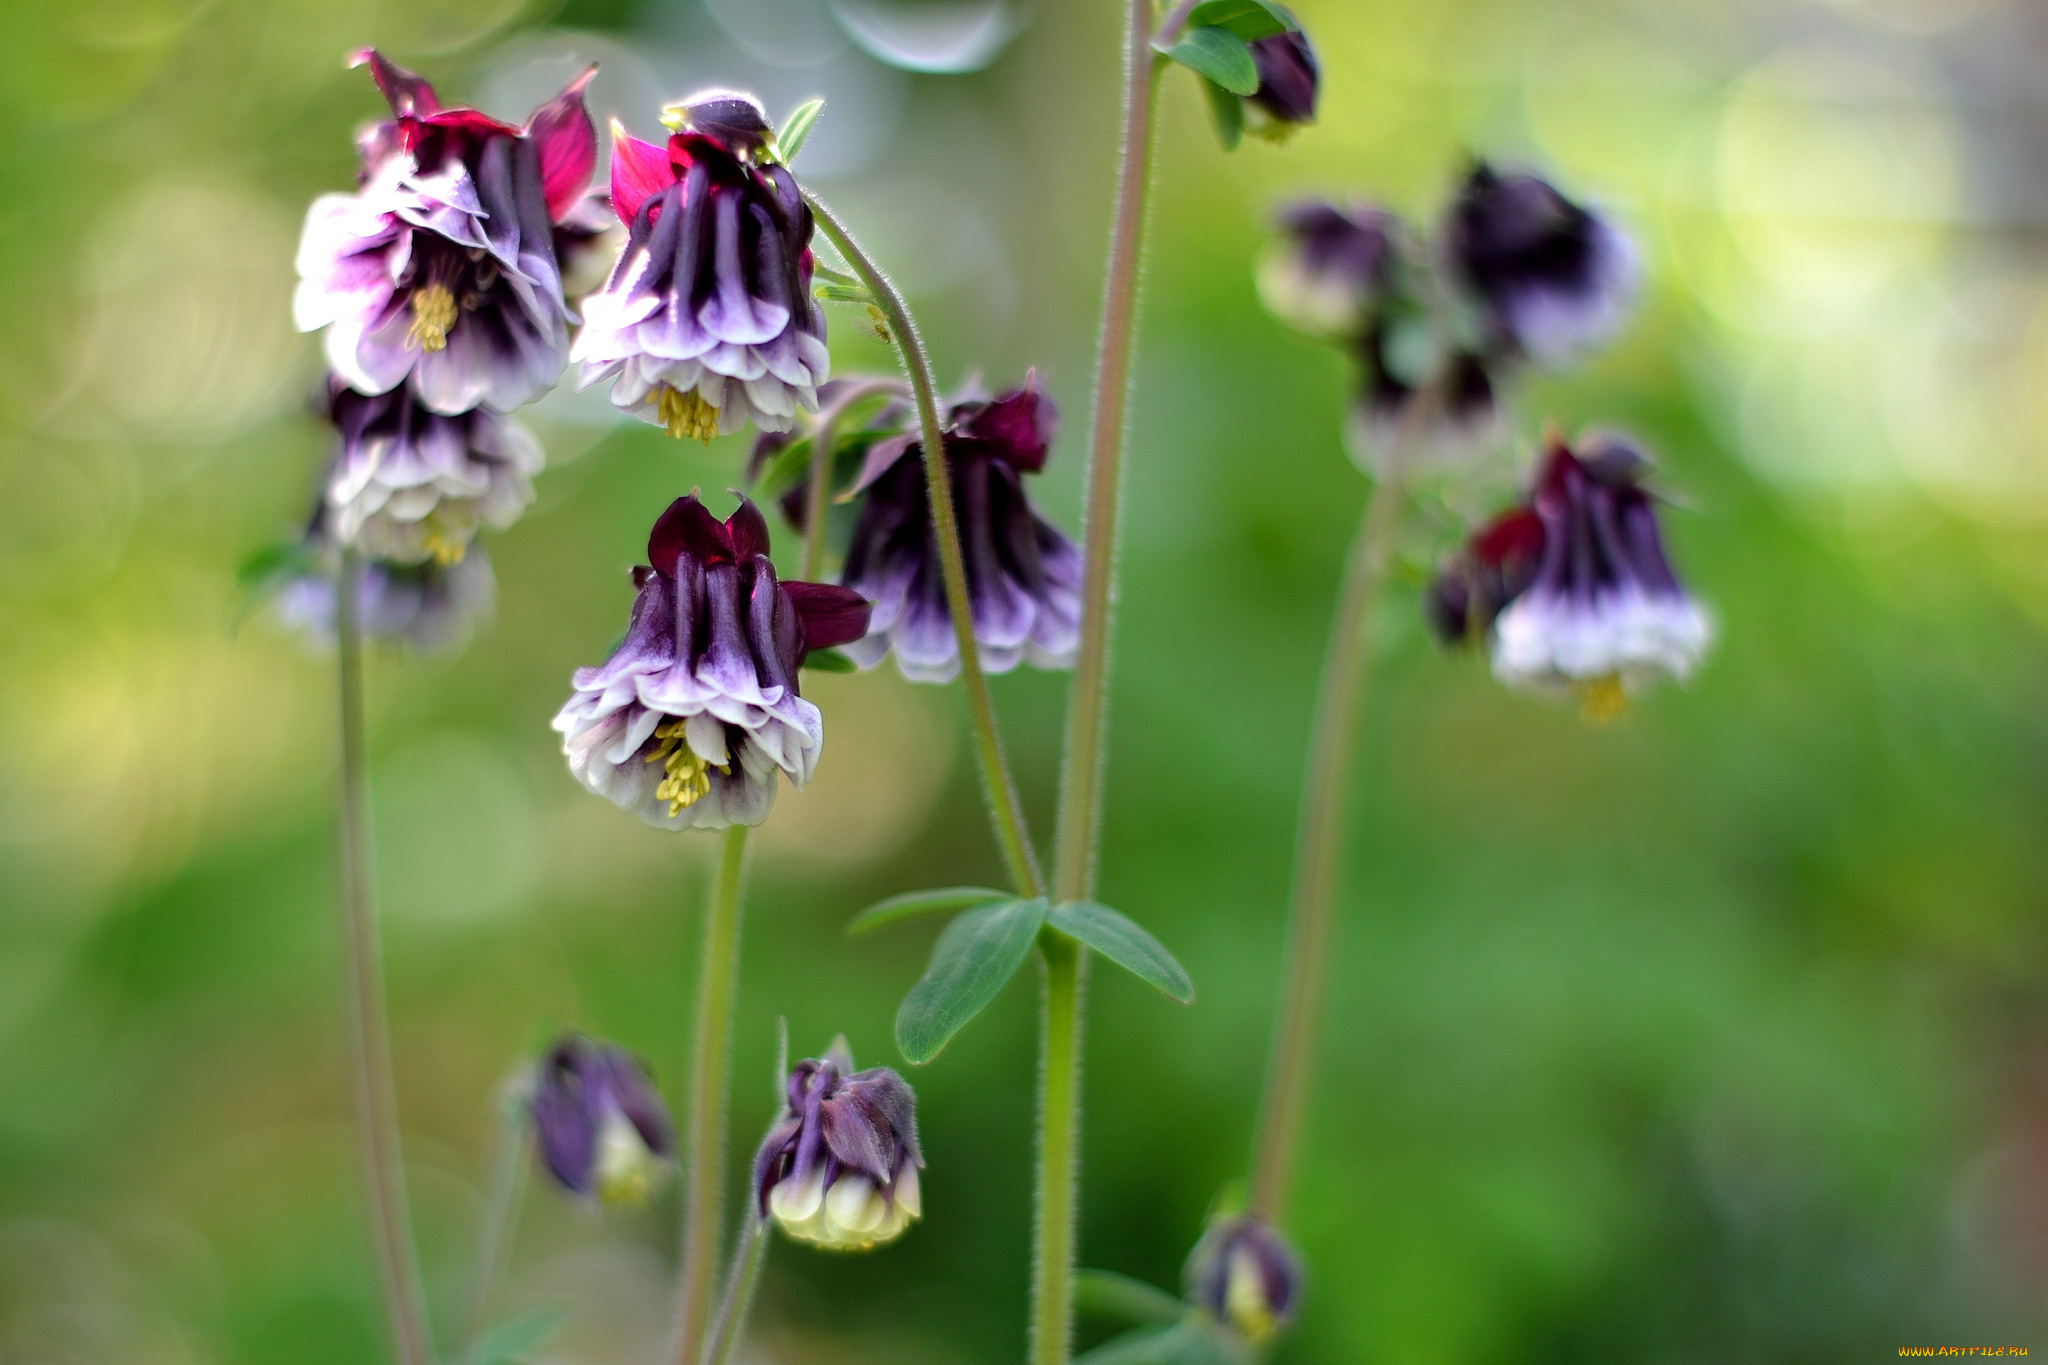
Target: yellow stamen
[433,313]
[446,551]
[1601,700]
[689,777]
[686,414]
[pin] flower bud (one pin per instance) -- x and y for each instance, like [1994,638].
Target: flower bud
[1288,80]
[599,1123]
[840,1169]
[1330,268]
[1243,1274]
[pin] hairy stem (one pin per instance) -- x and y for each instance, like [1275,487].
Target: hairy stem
[710,1090]
[747,1259]
[376,1094]
[1004,809]
[1059,1135]
[502,1198]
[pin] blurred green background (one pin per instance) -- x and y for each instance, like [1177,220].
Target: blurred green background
[1715,1035]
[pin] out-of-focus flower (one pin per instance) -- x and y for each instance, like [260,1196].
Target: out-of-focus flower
[707,321]
[840,1168]
[1330,268]
[410,484]
[696,710]
[1574,587]
[1551,277]
[599,1123]
[1023,574]
[432,607]
[1244,1275]
[587,240]
[1288,80]
[441,267]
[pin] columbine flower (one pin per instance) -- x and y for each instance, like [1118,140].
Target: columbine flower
[441,267]
[707,320]
[1574,587]
[1288,78]
[840,1169]
[411,484]
[1330,268]
[1023,575]
[431,607]
[1243,1274]
[599,1123]
[1551,277]
[696,710]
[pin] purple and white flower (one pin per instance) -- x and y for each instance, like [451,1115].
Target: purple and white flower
[599,1124]
[840,1168]
[431,607]
[697,709]
[1245,1276]
[440,269]
[1331,267]
[707,322]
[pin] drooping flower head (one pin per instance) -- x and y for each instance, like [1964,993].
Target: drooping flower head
[410,484]
[840,1168]
[1245,1276]
[1023,574]
[431,606]
[1573,588]
[707,321]
[697,709]
[598,1122]
[1551,277]
[441,267]
[1288,81]
[1331,267]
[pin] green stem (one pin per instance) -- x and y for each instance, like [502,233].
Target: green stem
[747,1260]
[1059,1134]
[507,1190]
[710,1090]
[376,1093]
[1004,808]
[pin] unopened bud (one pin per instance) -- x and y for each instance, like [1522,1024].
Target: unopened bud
[840,1169]
[1243,1274]
[599,1123]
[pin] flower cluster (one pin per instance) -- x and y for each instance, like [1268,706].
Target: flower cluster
[599,1124]
[840,1167]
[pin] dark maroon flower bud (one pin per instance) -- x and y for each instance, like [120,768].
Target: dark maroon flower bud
[1288,78]
[1330,268]
[1245,1276]
[840,1168]
[598,1122]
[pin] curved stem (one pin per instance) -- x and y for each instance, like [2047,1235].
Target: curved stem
[376,1094]
[1004,808]
[507,1190]
[747,1259]
[710,1089]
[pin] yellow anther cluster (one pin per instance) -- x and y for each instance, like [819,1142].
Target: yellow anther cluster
[1601,699]
[433,313]
[446,551]
[689,777]
[687,414]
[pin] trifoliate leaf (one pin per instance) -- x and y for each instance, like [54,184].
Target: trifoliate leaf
[1250,20]
[945,900]
[1118,938]
[973,960]
[1219,55]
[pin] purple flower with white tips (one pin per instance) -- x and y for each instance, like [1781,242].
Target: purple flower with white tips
[1331,267]
[1245,1276]
[697,709]
[599,1124]
[440,269]
[840,1168]
[707,322]
[431,607]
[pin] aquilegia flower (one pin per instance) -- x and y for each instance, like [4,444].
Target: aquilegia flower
[1023,574]
[1288,79]
[707,321]
[441,268]
[1551,277]
[840,1169]
[697,709]
[431,607]
[1330,267]
[599,1123]
[1573,587]
[410,484]
[1244,1275]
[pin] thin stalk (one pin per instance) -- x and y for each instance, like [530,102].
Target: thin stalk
[818,494]
[710,1091]
[1004,809]
[502,1198]
[376,1094]
[747,1259]
[1059,1136]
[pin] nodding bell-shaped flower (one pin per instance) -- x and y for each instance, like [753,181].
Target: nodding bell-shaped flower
[840,1168]
[441,268]
[1023,574]
[697,709]
[1288,81]
[1245,1276]
[599,1123]
[1550,277]
[432,607]
[1573,587]
[411,484]
[1330,268]
[707,321]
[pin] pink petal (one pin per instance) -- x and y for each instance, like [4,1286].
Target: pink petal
[566,141]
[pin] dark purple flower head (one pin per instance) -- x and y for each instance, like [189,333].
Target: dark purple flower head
[707,321]
[1551,277]
[599,1123]
[1331,267]
[1245,1276]
[697,708]
[1573,587]
[431,607]
[1023,575]
[441,267]
[840,1167]
[1288,79]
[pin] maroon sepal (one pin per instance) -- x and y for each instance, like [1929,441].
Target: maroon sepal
[1513,538]
[640,170]
[1018,426]
[747,529]
[688,525]
[410,96]
[831,615]
[566,141]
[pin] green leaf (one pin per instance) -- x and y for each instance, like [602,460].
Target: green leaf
[973,960]
[829,661]
[1220,55]
[790,140]
[1118,938]
[516,1338]
[826,273]
[943,900]
[1250,20]
[843,293]
[1106,1294]
[1226,111]
[785,471]
[1186,1342]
